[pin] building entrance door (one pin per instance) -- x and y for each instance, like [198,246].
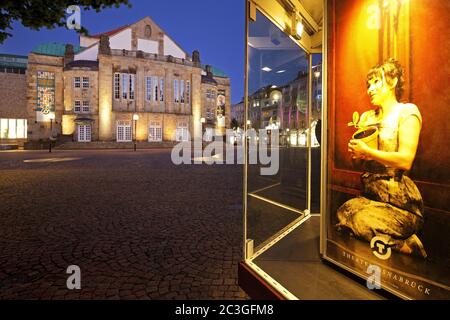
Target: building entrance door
[154,132]
[84,133]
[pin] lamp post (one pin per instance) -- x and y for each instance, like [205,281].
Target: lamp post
[51,116]
[202,121]
[135,119]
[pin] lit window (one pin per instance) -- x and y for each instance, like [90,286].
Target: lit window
[13,128]
[182,133]
[131,76]
[188,91]
[182,91]
[148,88]
[161,89]
[77,106]
[85,106]
[123,131]
[155,132]
[117,86]
[84,133]
[124,85]
[76,82]
[155,88]
[176,93]
[85,82]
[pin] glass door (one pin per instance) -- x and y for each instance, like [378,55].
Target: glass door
[278,134]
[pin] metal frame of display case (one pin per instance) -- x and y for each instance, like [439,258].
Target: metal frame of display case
[258,283]
[250,274]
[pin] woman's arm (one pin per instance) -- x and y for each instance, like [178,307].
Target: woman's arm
[409,132]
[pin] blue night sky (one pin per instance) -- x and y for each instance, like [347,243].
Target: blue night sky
[214,27]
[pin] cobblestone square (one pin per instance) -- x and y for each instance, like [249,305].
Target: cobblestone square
[138,226]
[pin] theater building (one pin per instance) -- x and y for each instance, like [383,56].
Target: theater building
[133,82]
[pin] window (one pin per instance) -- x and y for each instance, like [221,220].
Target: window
[76,82]
[182,133]
[161,89]
[85,106]
[148,31]
[124,85]
[208,94]
[77,106]
[117,86]
[85,82]
[148,88]
[176,93]
[84,133]
[188,91]
[155,88]
[13,128]
[131,76]
[182,91]
[154,132]
[123,131]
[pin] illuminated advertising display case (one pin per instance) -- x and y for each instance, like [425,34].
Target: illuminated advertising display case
[357,94]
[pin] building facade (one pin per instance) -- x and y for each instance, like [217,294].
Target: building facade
[130,83]
[13,115]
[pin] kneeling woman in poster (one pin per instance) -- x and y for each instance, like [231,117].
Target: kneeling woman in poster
[391,206]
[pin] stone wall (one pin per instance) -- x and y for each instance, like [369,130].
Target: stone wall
[36,62]
[13,92]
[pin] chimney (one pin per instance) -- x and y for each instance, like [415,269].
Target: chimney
[104,47]
[196,58]
[68,54]
[209,73]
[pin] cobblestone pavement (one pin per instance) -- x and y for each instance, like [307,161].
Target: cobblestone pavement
[138,226]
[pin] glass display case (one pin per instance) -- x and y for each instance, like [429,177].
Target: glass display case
[341,199]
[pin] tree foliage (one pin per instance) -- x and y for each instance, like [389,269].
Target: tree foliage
[37,14]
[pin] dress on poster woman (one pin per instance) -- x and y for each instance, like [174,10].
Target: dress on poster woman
[391,205]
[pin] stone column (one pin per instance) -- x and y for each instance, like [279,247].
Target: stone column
[196,103]
[105,92]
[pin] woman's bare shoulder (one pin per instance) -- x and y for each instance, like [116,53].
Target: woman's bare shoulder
[409,109]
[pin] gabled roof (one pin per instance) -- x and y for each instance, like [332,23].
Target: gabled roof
[55,49]
[109,33]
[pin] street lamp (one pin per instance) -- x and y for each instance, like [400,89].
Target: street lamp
[202,121]
[51,116]
[135,119]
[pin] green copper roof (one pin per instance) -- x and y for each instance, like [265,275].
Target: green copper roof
[55,49]
[216,72]
[13,61]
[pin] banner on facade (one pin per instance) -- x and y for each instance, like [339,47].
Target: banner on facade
[220,108]
[45,95]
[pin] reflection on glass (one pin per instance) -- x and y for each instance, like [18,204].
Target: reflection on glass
[278,78]
[316,131]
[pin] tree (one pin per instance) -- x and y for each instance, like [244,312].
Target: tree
[37,14]
[234,123]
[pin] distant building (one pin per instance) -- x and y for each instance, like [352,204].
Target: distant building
[93,89]
[13,98]
[238,113]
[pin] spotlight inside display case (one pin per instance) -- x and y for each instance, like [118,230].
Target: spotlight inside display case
[345,100]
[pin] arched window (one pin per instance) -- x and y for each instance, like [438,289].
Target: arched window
[148,31]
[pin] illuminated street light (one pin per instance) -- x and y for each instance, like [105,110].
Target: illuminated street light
[135,119]
[51,116]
